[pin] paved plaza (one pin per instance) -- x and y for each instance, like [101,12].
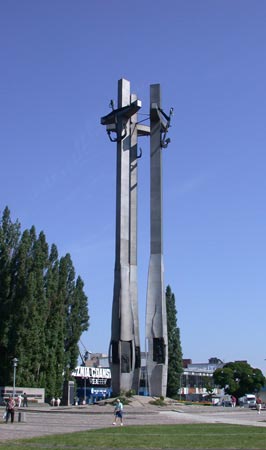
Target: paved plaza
[41,421]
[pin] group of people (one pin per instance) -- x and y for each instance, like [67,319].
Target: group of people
[11,404]
[258,403]
[22,399]
[55,401]
[118,410]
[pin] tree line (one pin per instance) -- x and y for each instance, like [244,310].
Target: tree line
[43,309]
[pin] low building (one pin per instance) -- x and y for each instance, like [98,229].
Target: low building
[34,395]
[93,383]
[196,381]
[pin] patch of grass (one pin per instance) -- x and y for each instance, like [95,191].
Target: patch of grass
[196,436]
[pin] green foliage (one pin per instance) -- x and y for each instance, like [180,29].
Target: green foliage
[123,397]
[9,238]
[180,436]
[158,401]
[130,393]
[43,309]
[239,378]
[208,385]
[175,368]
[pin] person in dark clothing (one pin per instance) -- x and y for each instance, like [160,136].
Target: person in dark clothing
[25,400]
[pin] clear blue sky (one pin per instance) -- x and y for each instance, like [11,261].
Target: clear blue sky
[60,63]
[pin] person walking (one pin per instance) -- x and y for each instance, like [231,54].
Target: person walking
[10,409]
[118,412]
[233,401]
[25,400]
[258,404]
[19,401]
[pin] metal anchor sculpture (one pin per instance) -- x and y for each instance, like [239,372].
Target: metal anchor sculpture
[116,121]
[165,124]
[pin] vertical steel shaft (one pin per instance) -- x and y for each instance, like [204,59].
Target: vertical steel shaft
[156,320]
[125,328]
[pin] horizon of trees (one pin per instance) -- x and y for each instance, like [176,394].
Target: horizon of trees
[43,309]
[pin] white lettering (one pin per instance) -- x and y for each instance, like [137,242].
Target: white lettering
[91,372]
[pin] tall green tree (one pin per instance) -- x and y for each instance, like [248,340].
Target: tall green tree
[76,312]
[239,378]
[40,308]
[43,309]
[175,368]
[9,239]
[22,306]
[27,333]
[54,328]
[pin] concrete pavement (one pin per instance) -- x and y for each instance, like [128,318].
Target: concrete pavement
[41,421]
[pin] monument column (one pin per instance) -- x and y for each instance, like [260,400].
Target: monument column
[124,328]
[133,201]
[156,319]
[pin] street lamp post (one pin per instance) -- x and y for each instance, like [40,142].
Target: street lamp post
[180,385]
[84,399]
[15,363]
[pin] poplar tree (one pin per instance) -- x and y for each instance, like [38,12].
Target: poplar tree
[76,313]
[43,309]
[9,238]
[174,346]
[40,308]
[22,312]
[54,328]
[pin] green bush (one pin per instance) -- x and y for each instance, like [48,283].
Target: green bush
[158,402]
[130,393]
[123,398]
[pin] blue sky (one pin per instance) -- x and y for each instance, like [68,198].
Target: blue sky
[60,63]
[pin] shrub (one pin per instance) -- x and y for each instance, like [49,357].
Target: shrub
[158,401]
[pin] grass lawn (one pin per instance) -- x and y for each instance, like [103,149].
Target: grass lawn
[194,436]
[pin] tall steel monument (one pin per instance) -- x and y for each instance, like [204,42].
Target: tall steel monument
[124,352]
[156,319]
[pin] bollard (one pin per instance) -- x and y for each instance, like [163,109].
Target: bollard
[22,417]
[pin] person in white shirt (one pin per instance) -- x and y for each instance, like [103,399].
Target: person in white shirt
[118,412]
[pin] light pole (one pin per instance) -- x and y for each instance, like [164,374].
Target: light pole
[84,400]
[15,363]
[180,385]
